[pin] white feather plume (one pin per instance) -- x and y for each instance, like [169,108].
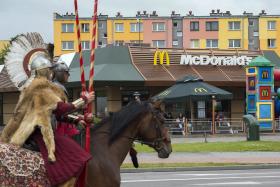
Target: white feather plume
[17,52]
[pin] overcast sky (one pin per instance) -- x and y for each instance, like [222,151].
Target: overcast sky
[21,16]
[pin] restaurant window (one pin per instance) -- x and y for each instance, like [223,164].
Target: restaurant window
[271,43]
[234,25]
[67,27]
[159,43]
[201,108]
[134,27]
[194,26]
[194,43]
[158,27]
[67,45]
[234,43]
[85,44]
[271,25]
[119,27]
[1,109]
[85,27]
[212,43]
[212,26]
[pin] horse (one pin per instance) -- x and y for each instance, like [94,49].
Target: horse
[112,139]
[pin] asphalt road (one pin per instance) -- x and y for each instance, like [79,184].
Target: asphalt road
[219,178]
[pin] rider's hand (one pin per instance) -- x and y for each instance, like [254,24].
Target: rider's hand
[89,96]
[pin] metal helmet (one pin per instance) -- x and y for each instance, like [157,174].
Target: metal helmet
[40,61]
[60,68]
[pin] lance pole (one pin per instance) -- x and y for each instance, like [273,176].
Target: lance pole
[83,81]
[91,73]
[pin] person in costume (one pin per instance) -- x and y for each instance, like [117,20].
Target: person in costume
[39,100]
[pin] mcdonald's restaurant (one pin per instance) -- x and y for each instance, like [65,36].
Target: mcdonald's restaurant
[123,72]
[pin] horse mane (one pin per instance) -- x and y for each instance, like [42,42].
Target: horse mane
[120,120]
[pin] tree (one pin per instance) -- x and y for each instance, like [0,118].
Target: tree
[3,53]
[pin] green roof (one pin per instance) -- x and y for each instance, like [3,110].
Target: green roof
[112,66]
[260,61]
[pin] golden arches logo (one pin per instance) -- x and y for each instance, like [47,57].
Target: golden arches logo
[265,93]
[200,90]
[252,83]
[162,55]
[265,74]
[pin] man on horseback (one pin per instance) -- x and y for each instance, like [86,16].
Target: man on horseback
[40,101]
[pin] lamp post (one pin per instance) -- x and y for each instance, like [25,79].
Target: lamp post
[273,115]
[213,114]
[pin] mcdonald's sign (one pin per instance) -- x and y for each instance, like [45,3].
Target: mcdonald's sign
[200,90]
[265,74]
[161,55]
[265,92]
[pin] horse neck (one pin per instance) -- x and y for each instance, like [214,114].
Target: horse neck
[118,149]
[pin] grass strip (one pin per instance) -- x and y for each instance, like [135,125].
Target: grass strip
[240,146]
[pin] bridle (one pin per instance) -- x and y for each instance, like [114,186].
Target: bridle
[156,143]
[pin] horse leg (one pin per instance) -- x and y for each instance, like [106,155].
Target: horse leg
[69,183]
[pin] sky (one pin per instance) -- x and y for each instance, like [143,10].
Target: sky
[21,16]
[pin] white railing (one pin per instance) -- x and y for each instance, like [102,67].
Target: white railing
[230,125]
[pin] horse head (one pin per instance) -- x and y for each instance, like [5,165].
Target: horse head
[152,131]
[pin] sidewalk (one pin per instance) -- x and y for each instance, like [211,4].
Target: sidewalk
[215,157]
[212,157]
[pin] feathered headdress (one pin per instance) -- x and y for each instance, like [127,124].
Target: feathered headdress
[21,52]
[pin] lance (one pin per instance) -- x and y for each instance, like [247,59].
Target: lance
[91,72]
[83,81]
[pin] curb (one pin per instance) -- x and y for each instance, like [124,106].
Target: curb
[237,167]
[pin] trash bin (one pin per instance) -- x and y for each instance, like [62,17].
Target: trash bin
[252,128]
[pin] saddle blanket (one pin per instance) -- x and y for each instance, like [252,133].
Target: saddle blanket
[20,167]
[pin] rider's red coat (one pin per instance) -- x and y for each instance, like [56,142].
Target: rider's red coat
[70,157]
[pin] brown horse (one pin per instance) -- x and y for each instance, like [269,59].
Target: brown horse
[113,137]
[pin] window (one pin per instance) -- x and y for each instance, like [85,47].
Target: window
[136,41]
[119,27]
[100,43]
[159,27]
[201,109]
[256,34]
[100,25]
[67,45]
[251,42]
[85,27]
[212,26]
[175,42]
[194,43]
[212,43]
[234,43]
[234,25]
[85,44]
[119,42]
[175,24]
[179,34]
[271,43]
[105,35]
[194,26]
[134,27]
[271,25]
[159,43]
[67,27]
[251,23]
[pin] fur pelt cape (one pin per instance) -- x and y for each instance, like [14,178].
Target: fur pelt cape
[35,106]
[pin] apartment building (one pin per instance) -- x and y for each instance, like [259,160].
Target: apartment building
[219,30]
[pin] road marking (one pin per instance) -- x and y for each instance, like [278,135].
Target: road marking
[229,183]
[192,179]
[224,174]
